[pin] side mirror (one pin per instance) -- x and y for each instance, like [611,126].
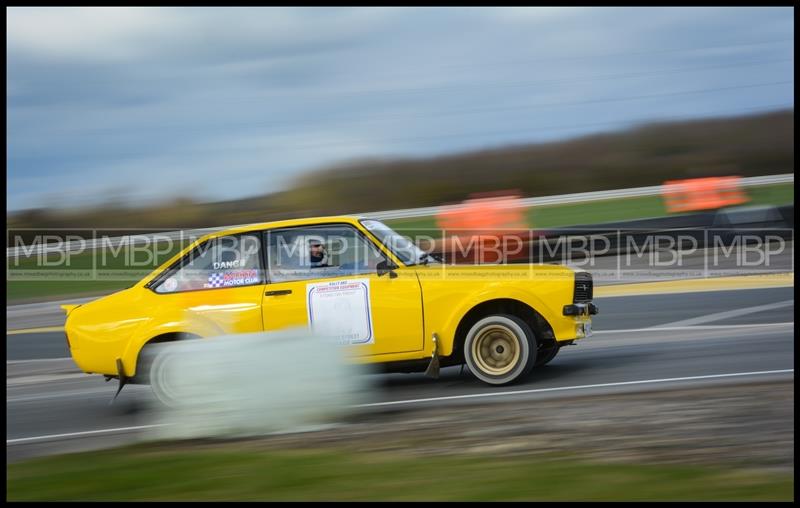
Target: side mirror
[385,267]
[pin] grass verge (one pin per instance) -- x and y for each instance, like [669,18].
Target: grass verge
[149,472]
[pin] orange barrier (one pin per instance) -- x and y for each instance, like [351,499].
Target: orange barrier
[482,214]
[702,193]
[485,222]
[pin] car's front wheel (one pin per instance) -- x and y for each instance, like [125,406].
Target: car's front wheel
[545,354]
[500,349]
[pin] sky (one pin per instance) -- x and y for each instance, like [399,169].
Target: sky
[139,104]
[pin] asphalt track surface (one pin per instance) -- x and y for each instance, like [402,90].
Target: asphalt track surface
[641,342]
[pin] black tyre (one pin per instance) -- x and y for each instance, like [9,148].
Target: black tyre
[148,354]
[161,375]
[544,355]
[500,349]
[144,363]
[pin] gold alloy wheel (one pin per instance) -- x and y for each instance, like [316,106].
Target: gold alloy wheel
[496,350]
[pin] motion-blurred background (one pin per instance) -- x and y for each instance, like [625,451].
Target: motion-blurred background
[137,120]
[176,118]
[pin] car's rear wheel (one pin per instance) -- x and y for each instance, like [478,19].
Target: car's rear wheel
[500,349]
[143,364]
[151,350]
[161,377]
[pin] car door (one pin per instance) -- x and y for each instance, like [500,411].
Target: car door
[337,291]
[216,288]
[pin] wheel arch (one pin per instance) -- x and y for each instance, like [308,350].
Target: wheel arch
[159,339]
[541,328]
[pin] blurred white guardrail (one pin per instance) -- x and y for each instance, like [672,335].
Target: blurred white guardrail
[391,214]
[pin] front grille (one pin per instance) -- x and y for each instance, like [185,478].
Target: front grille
[583,287]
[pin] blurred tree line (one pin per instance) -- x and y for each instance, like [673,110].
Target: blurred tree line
[646,155]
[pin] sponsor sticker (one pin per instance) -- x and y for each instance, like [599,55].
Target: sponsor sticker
[233,278]
[224,265]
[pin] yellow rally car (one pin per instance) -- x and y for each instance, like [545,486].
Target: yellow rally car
[347,277]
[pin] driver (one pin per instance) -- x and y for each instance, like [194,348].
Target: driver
[317,255]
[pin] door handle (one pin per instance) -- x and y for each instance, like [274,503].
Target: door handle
[279,292]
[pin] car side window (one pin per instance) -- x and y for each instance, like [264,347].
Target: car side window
[228,261]
[317,252]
